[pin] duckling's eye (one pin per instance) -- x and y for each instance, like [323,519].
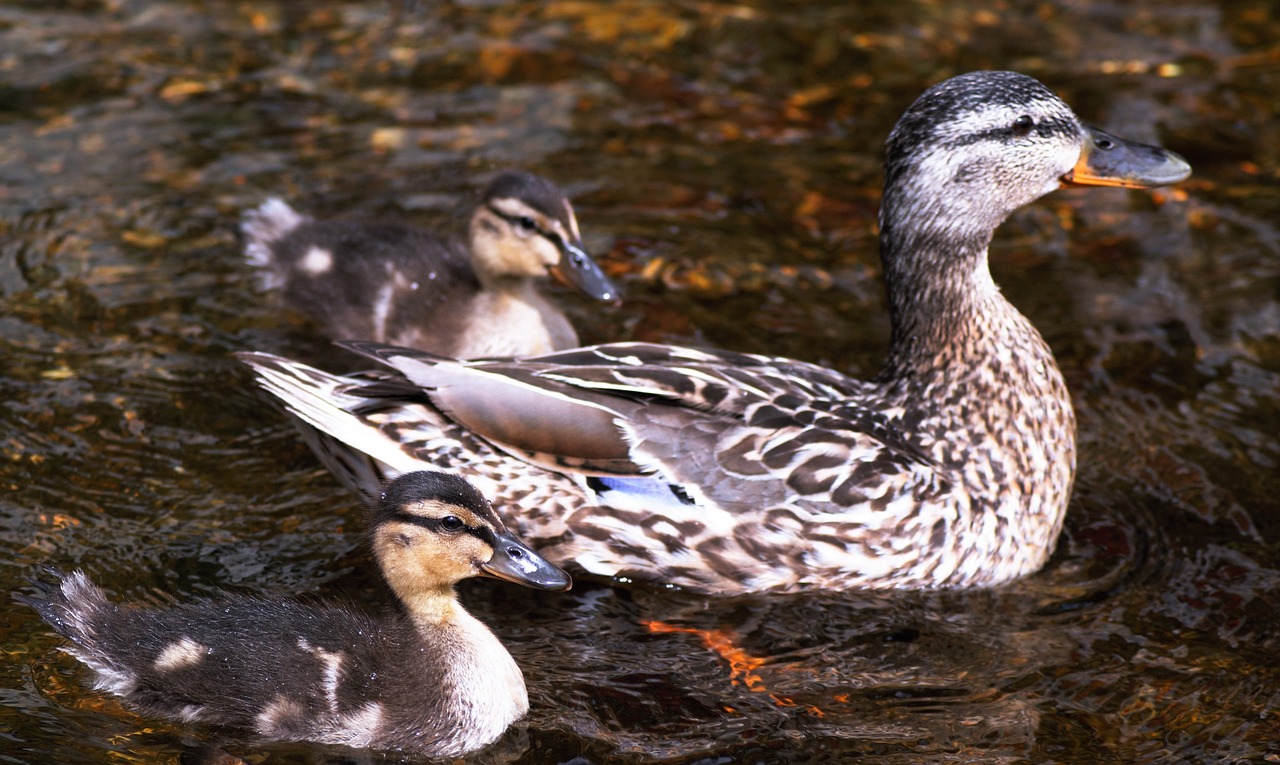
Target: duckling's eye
[526,223]
[1023,125]
[451,523]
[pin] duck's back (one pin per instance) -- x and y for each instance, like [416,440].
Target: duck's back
[397,284]
[286,670]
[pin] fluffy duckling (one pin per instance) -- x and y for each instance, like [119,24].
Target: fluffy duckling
[428,679]
[415,288]
[730,473]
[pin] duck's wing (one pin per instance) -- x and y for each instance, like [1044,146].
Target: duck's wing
[731,430]
[619,459]
[723,382]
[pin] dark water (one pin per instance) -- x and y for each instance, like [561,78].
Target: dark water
[724,162]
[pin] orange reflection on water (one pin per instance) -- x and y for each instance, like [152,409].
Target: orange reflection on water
[742,665]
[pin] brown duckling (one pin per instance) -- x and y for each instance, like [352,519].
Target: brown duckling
[417,288]
[428,678]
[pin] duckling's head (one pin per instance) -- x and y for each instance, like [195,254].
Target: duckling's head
[524,227]
[974,148]
[431,530]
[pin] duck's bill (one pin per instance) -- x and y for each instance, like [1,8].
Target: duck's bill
[577,269]
[1107,160]
[514,561]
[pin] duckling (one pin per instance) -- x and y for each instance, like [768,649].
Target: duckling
[728,473]
[428,679]
[411,287]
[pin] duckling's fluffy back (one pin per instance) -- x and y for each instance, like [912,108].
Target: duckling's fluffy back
[284,669]
[360,279]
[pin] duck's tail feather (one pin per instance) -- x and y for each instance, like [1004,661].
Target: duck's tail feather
[70,604]
[262,229]
[78,609]
[354,469]
[363,457]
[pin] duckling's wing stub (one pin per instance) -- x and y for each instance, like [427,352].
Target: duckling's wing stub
[1108,160]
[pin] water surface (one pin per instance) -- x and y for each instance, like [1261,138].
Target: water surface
[724,160]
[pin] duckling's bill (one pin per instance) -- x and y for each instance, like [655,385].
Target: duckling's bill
[579,270]
[516,562]
[1107,160]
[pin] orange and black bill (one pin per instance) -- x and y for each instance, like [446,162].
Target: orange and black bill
[1107,160]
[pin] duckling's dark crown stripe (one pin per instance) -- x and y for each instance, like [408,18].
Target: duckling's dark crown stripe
[436,525]
[514,220]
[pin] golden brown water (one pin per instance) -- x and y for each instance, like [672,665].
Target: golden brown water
[724,160]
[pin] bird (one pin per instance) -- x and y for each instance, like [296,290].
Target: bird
[728,473]
[425,678]
[417,288]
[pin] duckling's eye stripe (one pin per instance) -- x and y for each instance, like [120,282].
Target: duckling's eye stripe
[515,221]
[436,524]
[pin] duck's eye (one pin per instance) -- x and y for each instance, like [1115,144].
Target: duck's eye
[451,523]
[526,223]
[1023,125]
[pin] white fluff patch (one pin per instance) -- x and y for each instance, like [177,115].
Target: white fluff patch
[267,723]
[181,653]
[190,713]
[359,729]
[332,672]
[383,304]
[106,676]
[316,262]
[262,228]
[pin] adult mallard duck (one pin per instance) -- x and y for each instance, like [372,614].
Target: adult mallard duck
[729,473]
[429,679]
[416,288]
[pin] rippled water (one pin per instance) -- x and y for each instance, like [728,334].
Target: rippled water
[724,162]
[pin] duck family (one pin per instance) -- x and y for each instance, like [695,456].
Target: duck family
[426,678]
[728,473]
[710,470]
[420,289]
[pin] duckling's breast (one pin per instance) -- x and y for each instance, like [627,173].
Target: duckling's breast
[512,322]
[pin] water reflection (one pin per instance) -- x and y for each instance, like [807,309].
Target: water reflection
[730,155]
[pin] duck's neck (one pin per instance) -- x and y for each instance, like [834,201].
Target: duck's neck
[519,286]
[981,390]
[956,341]
[943,303]
[432,607]
[487,686]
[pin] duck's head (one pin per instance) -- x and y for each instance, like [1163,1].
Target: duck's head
[524,227]
[432,530]
[974,148]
